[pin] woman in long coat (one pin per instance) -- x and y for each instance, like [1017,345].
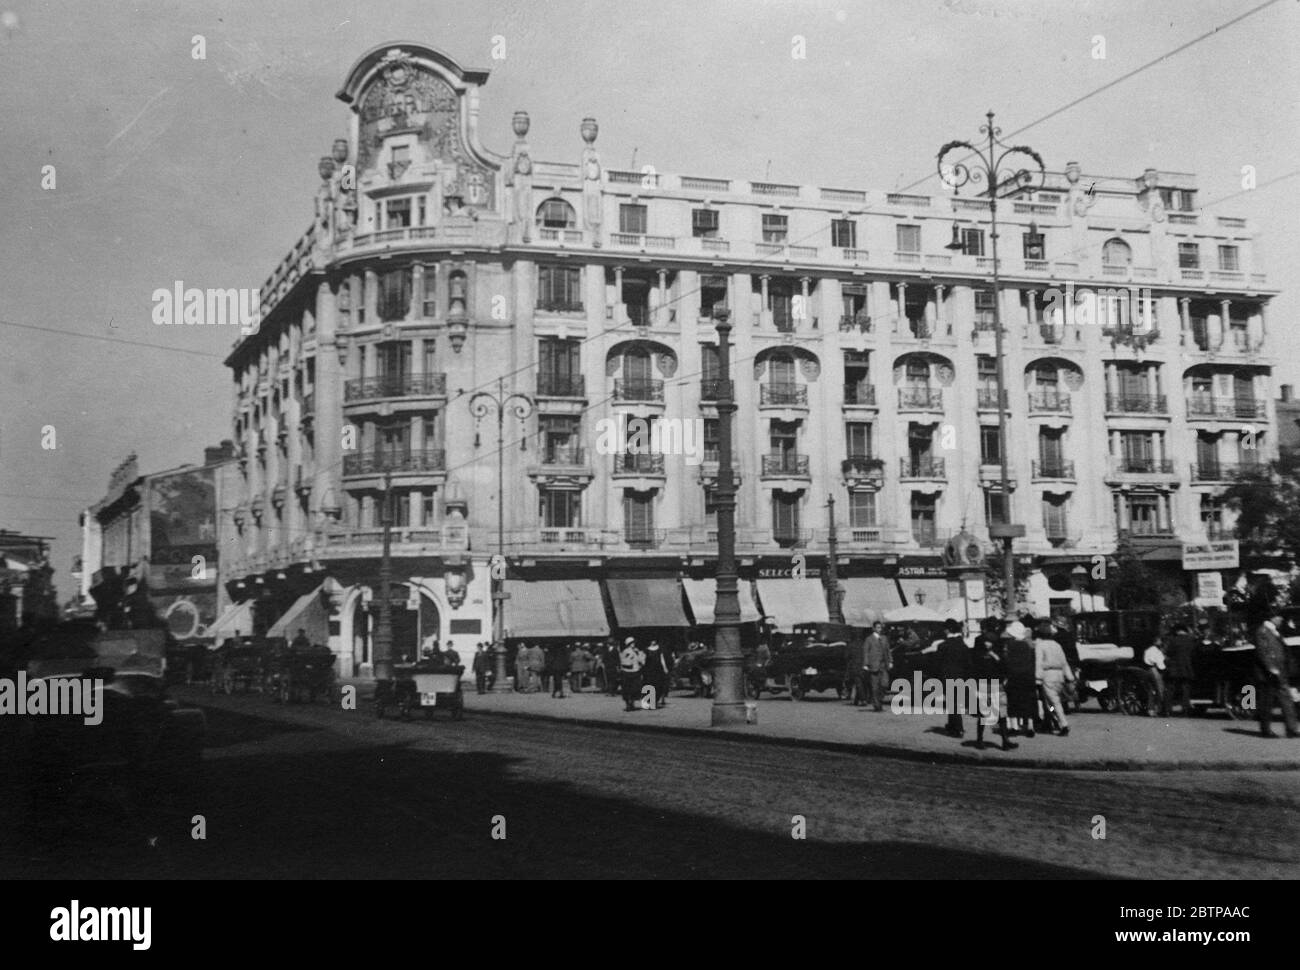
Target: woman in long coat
[1022,685]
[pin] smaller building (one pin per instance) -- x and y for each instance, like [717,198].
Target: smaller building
[26,581]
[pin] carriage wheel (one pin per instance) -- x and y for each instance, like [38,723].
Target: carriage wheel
[796,690]
[1132,700]
[1106,700]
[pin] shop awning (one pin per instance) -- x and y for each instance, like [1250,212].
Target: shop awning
[308,613]
[703,594]
[868,598]
[935,591]
[236,621]
[790,602]
[555,608]
[647,602]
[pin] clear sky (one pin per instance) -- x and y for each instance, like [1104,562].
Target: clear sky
[170,168]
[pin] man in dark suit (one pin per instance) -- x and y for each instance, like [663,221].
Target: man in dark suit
[1178,664]
[855,664]
[1273,674]
[954,666]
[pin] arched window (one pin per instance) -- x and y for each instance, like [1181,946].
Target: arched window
[1116,252]
[555,214]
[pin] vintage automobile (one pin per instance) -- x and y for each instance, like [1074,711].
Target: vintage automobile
[145,751]
[297,672]
[240,662]
[428,685]
[809,661]
[1110,645]
[691,671]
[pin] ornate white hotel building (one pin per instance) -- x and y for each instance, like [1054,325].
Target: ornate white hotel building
[863,367]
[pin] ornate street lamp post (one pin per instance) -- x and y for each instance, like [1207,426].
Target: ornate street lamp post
[728,660]
[1004,170]
[383,651]
[521,406]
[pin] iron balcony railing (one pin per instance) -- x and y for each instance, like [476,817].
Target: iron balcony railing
[1138,465]
[863,466]
[1049,401]
[572,457]
[711,390]
[560,306]
[1205,406]
[860,322]
[639,464]
[1137,403]
[791,536]
[417,385]
[555,385]
[391,460]
[860,393]
[1222,471]
[920,397]
[645,538]
[988,398]
[637,314]
[638,389]
[783,395]
[788,464]
[921,467]
[1052,468]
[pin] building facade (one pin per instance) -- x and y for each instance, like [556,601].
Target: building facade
[436,270]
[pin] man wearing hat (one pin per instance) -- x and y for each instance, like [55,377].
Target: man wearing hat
[954,666]
[630,663]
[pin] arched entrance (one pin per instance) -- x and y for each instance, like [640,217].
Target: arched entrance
[415,620]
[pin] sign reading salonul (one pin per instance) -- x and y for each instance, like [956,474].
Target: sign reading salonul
[1211,555]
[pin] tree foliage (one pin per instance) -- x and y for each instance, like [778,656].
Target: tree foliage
[1267,504]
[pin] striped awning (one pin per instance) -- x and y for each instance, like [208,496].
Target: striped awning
[307,613]
[702,594]
[790,602]
[555,608]
[647,602]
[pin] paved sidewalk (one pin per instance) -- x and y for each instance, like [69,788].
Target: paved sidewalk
[1097,741]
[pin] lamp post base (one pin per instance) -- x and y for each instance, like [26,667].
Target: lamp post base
[500,679]
[729,713]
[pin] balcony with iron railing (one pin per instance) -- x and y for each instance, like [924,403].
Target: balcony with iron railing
[568,456]
[863,468]
[1156,404]
[560,306]
[789,536]
[377,388]
[1049,402]
[1141,465]
[644,538]
[855,323]
[397,461]
[639,390]
[988,399]
[860,394]
[1208,408]
[921,468]
[1052,469]
[711,390]
[1224,471]
[639,465]
[783,394]
[785,465]
[920,399]
[555,385]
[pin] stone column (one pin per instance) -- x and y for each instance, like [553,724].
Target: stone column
[1224,322]
[1185,319]
[803,292]
[416,310]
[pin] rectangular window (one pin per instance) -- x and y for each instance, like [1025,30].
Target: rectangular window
[1144,515]
[844,233]
[985,302]
[908,239]
[1228,259]
[918,372]
[713,292]
[1189,255]
[632,219]
[555,214]
[990,445]
[923,518]
[559,434]
[995,508]
[1212,518]
[430,356]
[857,439]
[559,288]
[394,361]
[704,223]
[1035,247]
[712,439]
[785,517]
[401,509]
[560,508]
[428,501]
[638,519]
[862,510]
[429,432]
[775,228]
[395,294]
[430,295]
[397,212]
[1054,523]
[781,303]
[972,242]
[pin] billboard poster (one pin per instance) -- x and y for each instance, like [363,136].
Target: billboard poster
[182,525]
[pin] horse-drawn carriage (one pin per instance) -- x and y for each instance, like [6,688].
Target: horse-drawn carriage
[428,686]
[297,672]
[240,663]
